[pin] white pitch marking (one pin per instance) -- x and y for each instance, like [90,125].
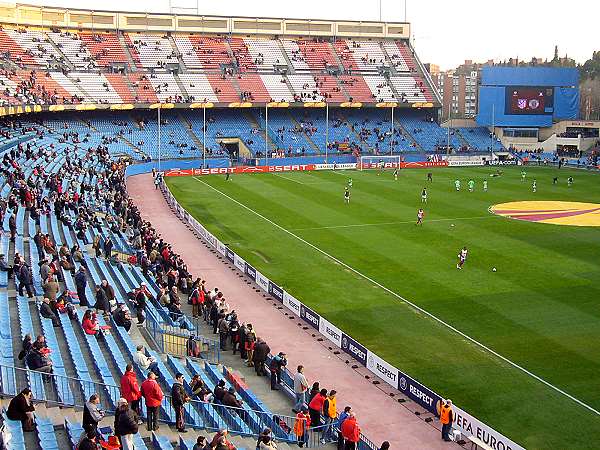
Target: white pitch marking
[398,296]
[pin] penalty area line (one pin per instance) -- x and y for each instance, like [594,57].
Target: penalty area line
[399,297]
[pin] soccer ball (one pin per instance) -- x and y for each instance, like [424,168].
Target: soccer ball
[493,269]
[452,225]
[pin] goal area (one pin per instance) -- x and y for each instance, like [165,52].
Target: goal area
[381,162]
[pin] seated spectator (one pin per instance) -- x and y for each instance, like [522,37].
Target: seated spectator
[26,348]
[266,443]
[88,440]
[21,408]
[47,312]
[146,363]
[219,391]
[4,267]
[201,444]
[229,399]
[122,317]
[89,323]
[199,389]
[38,360]
[220,440]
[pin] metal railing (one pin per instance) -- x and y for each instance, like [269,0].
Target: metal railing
[54,389]
[175,340]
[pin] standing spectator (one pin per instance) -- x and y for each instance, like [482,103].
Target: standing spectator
[91,413]
[446,418]
[223,327]
[80,284]
[51,288]
[259,356]
[350,432]
[130,389]
[21,408]
[314,390]
[315,407]
[343,416]
[126,424]
[25,278]
[301,426]
[12,226]
[178,399]
[108,245]
[102,302]
[277,363]
[330,414]
[300,388]
[249,343]
[153,396]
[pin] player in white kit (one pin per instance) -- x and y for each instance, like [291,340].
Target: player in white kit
[462,257]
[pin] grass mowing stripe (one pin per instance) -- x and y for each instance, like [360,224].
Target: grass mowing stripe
[413,305]
[358,225]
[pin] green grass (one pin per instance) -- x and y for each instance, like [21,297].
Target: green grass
[540,309]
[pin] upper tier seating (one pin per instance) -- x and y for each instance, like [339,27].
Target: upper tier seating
[203,52]
[73,48]
[265,53]
[37,45]
[198,87]
[277,88]
[104,46]
[151,50]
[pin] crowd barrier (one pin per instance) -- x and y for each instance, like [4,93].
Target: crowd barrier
[411,388]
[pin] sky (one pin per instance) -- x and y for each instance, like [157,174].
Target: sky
[444,32]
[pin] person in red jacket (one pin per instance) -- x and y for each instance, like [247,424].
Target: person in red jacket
[89,323]
[350,432]
[130,390]
[153,396]
[315,407]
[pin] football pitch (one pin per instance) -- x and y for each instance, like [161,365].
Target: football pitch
[355,263]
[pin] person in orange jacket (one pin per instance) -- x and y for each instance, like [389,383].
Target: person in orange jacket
[350,432]
[446,418]
[301,426]
[153,396]
[130,389]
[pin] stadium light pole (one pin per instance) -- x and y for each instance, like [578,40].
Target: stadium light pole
[266,134]
[203,135]
[158,113]
[449,124]
[326,132]
[392,136]
[493,132]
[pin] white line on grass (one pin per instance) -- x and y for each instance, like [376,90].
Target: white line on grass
[288,178]
[415,306]
[358,225]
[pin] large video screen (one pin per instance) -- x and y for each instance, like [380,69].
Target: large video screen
[529,100]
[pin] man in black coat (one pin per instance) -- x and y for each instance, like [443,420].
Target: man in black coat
[81,283]
[12,226]
[102,303]
[25,278]
[126,422]
[21,408]
[122,318]
[38,244]
[47,313]
[261,350]
[179,398]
